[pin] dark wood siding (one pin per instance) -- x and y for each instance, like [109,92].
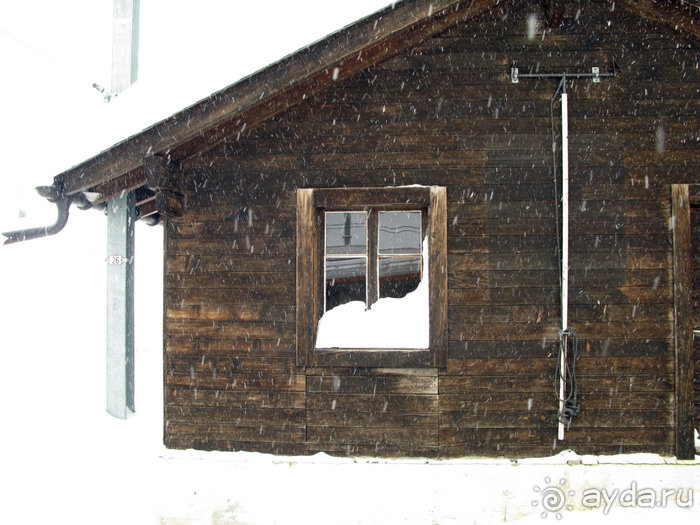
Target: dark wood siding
[695,247]
[447,114]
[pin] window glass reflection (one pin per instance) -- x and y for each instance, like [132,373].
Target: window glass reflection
[399,232]
[346,233]
[398,276]
[345,280]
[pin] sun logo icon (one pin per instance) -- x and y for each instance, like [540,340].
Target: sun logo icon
[553,498]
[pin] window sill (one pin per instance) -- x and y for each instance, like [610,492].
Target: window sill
[370,358]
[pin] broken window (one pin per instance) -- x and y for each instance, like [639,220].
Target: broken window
[365,294]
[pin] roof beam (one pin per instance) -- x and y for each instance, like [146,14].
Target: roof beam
[119,184]
[163,177]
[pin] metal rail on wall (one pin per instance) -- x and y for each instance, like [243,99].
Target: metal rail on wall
[565,375]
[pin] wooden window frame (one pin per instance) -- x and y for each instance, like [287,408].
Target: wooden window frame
[311,205]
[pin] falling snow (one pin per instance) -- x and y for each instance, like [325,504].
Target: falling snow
[65,460]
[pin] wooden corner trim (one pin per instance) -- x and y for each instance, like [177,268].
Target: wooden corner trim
[682,328]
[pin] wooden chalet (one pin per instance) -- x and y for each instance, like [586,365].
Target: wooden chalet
[453,111]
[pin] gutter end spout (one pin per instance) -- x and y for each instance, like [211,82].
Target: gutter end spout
[62,202]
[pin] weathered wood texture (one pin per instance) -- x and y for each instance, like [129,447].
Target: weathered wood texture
[446,114]
[695,303]
[683,320]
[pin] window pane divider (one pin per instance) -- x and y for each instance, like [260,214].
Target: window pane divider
[372,264]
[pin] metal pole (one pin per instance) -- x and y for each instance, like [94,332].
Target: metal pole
[125,44]
[595,75]
[120,305]
[564,249]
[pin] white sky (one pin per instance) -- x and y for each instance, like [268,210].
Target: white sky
[52,53]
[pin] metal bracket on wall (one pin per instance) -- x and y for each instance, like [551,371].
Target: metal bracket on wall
[595,75]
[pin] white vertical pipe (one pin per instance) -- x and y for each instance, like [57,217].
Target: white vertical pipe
[564,247]
[564,211]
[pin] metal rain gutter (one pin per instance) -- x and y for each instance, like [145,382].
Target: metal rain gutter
[62,202]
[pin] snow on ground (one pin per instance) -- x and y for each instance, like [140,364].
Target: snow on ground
[64,460]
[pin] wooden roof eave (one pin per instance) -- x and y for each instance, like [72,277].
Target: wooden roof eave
[264,94]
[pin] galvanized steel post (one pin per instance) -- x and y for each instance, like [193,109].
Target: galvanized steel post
[121,216]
